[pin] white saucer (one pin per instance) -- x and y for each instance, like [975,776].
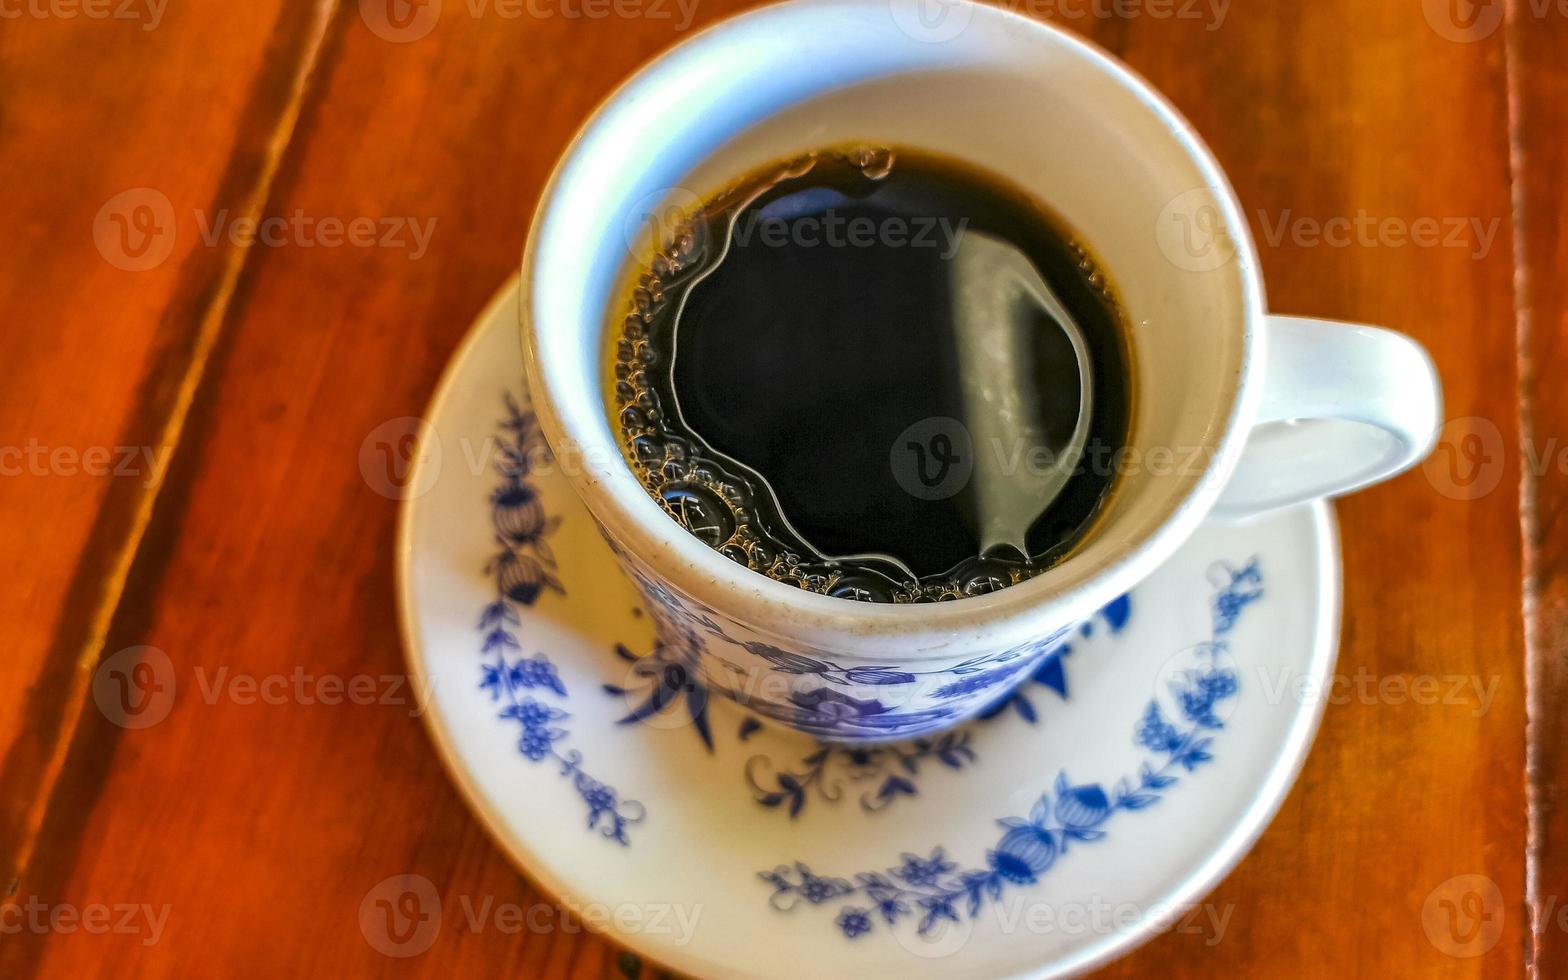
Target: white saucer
[1093,810]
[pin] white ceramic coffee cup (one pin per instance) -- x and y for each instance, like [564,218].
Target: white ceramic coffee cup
[1236,411]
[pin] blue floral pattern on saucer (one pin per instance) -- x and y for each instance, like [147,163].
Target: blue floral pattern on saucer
[934,888]
[523,570]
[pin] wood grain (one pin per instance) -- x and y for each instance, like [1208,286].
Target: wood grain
[1540,94]
[176,113]
[266,552]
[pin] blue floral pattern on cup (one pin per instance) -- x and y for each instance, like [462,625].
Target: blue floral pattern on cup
[934,888]
[825,695]
[667,680]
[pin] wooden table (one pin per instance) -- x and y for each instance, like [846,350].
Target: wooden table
[181,417]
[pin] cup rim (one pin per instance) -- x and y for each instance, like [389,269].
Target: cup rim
[636,523]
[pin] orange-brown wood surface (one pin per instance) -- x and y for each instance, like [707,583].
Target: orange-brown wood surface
[1416,843]
[1541,105]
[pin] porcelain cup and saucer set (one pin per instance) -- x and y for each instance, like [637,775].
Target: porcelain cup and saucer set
[753,780]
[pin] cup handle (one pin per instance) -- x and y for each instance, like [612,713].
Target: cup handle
[1344,406]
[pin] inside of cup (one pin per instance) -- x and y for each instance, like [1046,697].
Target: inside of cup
[1042,111]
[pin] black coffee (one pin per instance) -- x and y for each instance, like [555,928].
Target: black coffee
[875,374]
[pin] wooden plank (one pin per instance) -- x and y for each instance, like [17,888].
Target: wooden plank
[124,126]
[1538,36]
